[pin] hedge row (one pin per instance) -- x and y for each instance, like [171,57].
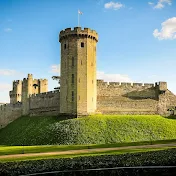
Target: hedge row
[154,158]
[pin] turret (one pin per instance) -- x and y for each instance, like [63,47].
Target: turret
[16,93]
[78,90]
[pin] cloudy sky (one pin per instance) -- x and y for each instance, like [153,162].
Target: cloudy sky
[137,39]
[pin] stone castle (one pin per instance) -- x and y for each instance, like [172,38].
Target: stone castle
[80,92]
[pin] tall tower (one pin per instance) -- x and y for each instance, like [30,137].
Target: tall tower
[16,93]
[78,86]
[29,88]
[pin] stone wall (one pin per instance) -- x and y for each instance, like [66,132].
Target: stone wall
[36,105]
[167,100]
[9,113]
[126,98]
[134,98]
[44,103]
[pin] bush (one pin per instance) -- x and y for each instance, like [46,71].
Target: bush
[154,158]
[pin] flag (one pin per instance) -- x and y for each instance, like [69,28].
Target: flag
[80,12]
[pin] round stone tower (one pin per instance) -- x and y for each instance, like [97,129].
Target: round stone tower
[78,84]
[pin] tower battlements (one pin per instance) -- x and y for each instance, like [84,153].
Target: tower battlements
[78,31]
[17,82]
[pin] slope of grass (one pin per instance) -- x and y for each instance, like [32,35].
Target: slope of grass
[99,129]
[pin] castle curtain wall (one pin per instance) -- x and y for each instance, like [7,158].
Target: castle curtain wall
[9,113]
[47,103]
[127,98]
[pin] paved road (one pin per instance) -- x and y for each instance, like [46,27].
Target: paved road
[86,151]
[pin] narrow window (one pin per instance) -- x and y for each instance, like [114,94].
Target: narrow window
[64,46]
[72,96]
[81,62]
[79,97]
[72,78]
[79,80]
[72,61]
[82,45]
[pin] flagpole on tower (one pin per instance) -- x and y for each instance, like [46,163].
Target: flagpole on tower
[78,17]
[79,13]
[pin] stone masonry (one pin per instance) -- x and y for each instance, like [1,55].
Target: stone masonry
[78,71]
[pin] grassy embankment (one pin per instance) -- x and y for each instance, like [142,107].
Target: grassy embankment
[99,129]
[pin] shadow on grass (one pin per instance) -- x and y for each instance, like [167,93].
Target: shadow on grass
[171,117]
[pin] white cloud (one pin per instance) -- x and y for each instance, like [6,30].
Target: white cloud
[8,72]
[168,30]
[55,69]
[161,4]
[150,3]
[113,5]
[7,30]
[113,77]
[5,87]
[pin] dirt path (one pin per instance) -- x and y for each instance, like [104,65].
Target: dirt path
[86,151]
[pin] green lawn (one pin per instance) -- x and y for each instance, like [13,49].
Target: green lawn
[115,152]
[97,129]
[10,150]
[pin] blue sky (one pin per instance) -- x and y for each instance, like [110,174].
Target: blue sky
[137,39]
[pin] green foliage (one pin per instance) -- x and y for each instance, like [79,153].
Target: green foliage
[153,158]
[99,129]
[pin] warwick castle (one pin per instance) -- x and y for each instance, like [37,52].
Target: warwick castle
[80,92]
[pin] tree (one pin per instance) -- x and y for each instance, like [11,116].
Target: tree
[58,79]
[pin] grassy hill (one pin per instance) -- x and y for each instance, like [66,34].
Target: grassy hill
[98,129]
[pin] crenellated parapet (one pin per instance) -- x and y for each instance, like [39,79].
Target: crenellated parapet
[44,103]
[78,32]
[101,83]
[9,107]
[44,94]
